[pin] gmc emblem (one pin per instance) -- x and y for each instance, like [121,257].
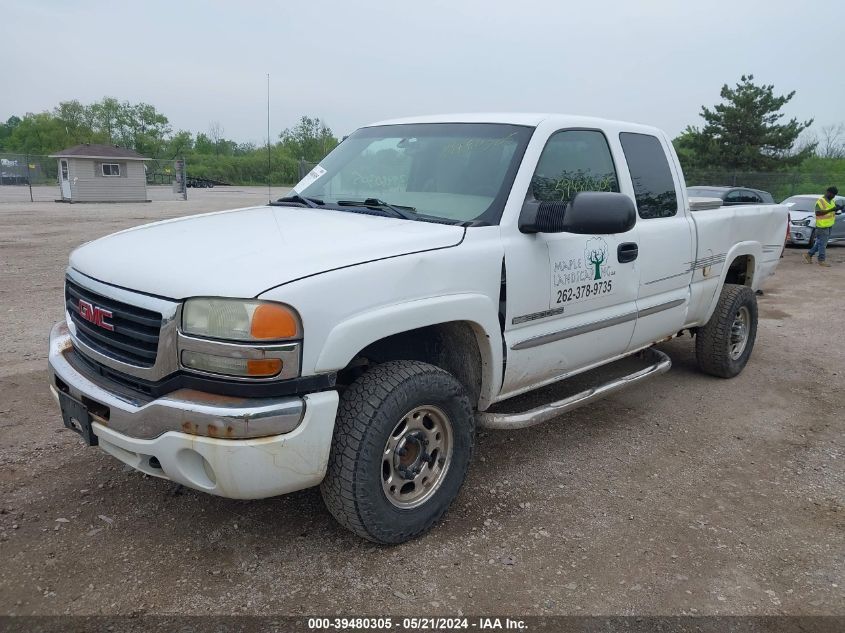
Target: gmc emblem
[95,315]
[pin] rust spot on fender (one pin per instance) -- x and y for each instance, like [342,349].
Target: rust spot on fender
[212,430]
[190,427]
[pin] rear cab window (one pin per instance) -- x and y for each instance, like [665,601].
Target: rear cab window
[654,186]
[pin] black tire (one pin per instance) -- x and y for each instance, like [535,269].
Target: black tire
[812,239]
[715,342]
[369,412]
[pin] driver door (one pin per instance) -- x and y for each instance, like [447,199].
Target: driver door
[571,298]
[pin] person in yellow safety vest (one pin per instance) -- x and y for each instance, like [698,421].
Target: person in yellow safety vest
[826,210]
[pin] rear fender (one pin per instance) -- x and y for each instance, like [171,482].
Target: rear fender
[752,249]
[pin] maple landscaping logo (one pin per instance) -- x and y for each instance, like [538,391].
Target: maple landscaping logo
[592,265]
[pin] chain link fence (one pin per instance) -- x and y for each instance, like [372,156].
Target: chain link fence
[35,178]
[781,185]
[25,178]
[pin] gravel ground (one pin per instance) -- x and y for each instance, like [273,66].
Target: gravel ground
[694,495]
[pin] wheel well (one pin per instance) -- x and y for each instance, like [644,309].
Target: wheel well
[741,271]
[451,346]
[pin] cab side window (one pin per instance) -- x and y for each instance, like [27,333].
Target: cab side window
[573,161]
[654,189]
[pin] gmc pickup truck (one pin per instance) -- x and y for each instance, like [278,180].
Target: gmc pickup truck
[355,333]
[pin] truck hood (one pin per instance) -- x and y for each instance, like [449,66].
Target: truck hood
[243,252]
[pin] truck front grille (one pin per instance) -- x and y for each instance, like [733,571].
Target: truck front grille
[134,339]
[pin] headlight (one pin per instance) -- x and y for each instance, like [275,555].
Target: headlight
[237,320]
[805,222]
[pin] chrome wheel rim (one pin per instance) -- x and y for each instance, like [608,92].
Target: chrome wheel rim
[739,332]
[416,457]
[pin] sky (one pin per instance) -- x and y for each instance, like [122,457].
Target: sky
[354,62]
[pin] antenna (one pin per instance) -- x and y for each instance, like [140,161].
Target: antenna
[269,192]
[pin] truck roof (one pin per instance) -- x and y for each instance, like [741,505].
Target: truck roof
[532,119]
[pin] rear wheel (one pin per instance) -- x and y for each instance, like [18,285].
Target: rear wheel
[723,346]
[400,453]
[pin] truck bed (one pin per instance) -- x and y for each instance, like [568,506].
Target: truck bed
[726,233]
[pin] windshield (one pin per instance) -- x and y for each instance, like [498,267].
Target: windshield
[458,172]
[804,205]
[807,204]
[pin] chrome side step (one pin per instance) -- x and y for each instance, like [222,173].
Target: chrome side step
[661,364]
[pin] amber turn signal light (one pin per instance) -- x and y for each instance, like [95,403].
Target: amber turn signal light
[263,367]
[272,321]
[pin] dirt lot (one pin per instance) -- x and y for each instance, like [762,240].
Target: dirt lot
[693,495]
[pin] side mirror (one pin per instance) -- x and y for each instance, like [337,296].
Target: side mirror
[589,213]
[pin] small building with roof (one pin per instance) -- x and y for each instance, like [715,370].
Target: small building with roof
[101,173]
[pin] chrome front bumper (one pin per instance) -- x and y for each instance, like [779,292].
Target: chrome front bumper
[241,448]
[185,410]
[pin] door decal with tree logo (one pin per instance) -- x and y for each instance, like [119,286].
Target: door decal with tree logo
[580,278]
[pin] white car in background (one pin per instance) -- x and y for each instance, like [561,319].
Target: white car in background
[802,220]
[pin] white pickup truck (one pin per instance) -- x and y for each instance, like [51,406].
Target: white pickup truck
[354,333]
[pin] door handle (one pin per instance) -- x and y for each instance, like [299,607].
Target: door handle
[627,252]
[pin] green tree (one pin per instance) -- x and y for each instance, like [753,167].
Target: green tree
[40,133]
[137,126]
[203,144]
[107,115]
[242,149]
[141,127]
[76,117]
[6,130]
[215,133]
[181,143]
[744,132]
[687,145]
[310,139]
[144,128]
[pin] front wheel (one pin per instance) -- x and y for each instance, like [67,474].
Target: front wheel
[401,449]
[723,346]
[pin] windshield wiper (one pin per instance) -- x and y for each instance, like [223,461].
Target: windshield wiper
[311,203]
[381,205]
